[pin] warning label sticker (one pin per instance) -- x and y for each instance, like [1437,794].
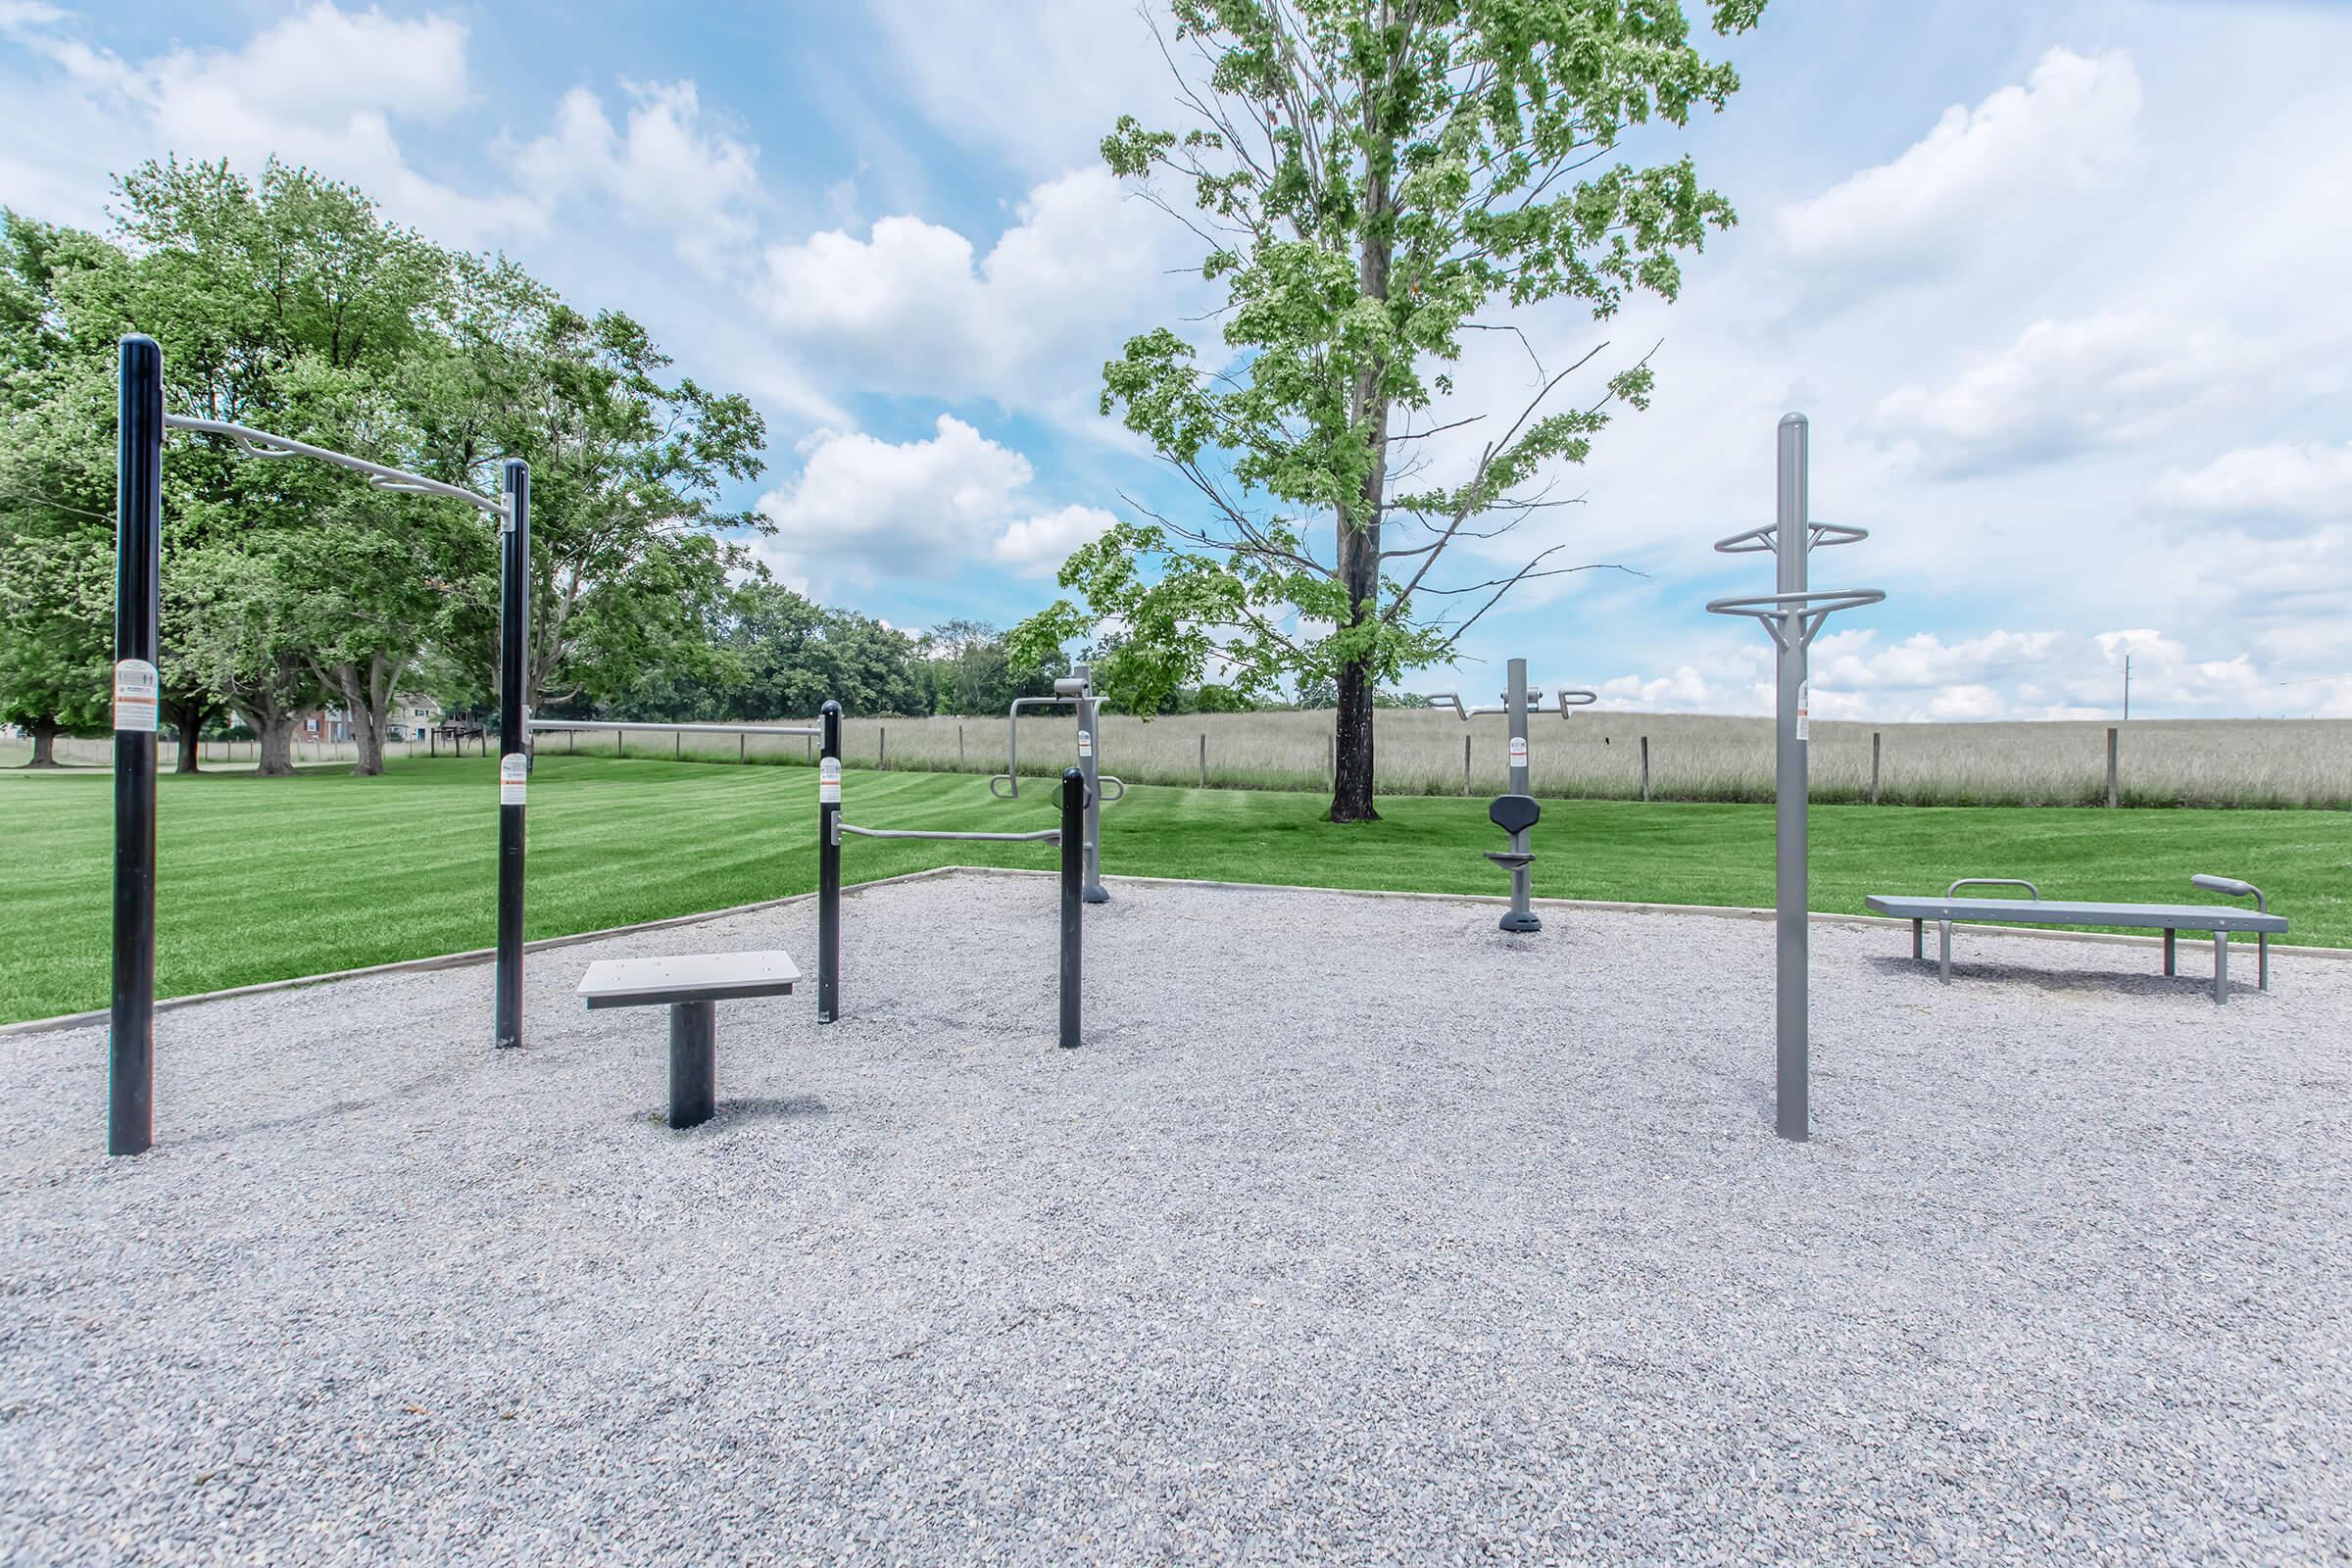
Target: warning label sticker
[513,777]
[828,781]
[137,688]
[1086,742]
[1518,751]
[1804,708]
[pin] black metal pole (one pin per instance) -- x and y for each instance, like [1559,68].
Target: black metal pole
[138,619]
[1073,895]
[513,732]
[828,867]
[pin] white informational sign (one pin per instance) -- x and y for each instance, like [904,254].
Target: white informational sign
[1086,742]
[1518,751]
[513,777]
[828,781]
[1805,708]
[137,689]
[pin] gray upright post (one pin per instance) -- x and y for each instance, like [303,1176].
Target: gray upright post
[1520,916]
[1791,516]
[513,734]
[1090,737]
[828,866]
[138,696]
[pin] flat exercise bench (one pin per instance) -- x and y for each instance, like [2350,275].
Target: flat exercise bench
[2220,920]
[690,986]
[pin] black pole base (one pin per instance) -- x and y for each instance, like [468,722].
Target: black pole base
[1515,921]
[693,1062]
[1097,895]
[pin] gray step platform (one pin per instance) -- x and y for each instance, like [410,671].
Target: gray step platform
[2220,920]
[688,985]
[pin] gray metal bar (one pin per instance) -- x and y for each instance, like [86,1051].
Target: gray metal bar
[693,1062]
[910,833]
[262,444]
[1992,882]
[1090,761]
[2220,967]
[1520,916]
[1918,939]
[676,729]
[1944,961]
[2171,958]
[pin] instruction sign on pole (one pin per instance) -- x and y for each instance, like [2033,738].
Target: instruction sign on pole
[1518,751]
[513,777]
[1086,742]
[1804,708]
[137,689]
[828,781]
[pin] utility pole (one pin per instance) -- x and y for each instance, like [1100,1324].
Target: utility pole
[2127,688]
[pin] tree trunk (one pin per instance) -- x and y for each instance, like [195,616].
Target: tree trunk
[367,699]
[44,743]
[273,739]
[189,716]
[1359,542]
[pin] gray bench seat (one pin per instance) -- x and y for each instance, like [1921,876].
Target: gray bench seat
[690,985]
[2169,918]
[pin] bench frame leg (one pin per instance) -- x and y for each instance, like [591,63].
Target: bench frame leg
[2220,968]
[2171,966]
[1919,941]
[1944,965]
[693,1062]
[2262,958]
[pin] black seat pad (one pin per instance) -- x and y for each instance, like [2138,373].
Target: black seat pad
[1514,814]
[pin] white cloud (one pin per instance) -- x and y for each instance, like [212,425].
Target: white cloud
[1037,546]
[912,309]
[2066,125]
[2063,387]
[866,507]
[2274,487]
[667,170]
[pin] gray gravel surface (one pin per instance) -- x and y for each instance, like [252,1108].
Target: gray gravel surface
[1488,1256]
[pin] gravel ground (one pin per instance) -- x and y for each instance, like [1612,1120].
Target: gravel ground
[1494,1260]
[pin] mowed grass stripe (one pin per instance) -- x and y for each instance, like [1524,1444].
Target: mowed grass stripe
[265,878]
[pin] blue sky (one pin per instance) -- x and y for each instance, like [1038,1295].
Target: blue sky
[2061,287]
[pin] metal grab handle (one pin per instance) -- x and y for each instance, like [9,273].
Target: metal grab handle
[1809,609]
[1013,794]
[1106,778]
[840,828]
[1766,540]
[2234,888]
[1993,882]
[1576,696]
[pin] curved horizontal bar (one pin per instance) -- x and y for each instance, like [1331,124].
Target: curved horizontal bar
[2235,887]
[1836,533]
[1752,542]
[1051,833]
[262,444]
[1812,602]
[672,729]
[1576,696]
[1993,882]
[1101,779]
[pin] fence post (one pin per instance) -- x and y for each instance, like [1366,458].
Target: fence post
[882,748]
[2111,767]
[1645,767]
[1465,767]
[677,744]
[743,748]
[1205,758]
[960,748]
[1874,767]
[619,736]
[1331,758]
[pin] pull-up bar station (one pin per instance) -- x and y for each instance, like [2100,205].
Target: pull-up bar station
[1793,618]
[138,693]
[1517,813]
[1077,689]
[1072,837]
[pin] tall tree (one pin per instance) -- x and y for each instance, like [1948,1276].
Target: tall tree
[1369,176]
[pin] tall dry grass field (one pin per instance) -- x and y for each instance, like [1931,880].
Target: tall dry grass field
[2265,762]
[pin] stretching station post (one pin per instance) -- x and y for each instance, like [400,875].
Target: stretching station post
[1793,617]
[1517,813]
[1071,836]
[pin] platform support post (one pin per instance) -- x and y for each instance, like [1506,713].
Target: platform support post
[693,1062]
[139,621]
[1074,804]
[1519,916]
[513,737]
[1090,760]
[828,866]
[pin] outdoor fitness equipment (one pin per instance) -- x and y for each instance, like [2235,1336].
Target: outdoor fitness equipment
[1073,836]
[138,693]
[1076,688]
[1793,617]
[1516,812]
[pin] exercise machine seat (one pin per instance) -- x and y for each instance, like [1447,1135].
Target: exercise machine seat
[1514,814]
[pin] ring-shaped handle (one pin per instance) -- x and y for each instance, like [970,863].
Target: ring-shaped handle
[1013,794]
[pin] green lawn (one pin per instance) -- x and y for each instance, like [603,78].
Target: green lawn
[265,878]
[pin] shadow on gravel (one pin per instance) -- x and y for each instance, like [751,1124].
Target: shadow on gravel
[2119,983]
[735,1112]
[439,1078]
